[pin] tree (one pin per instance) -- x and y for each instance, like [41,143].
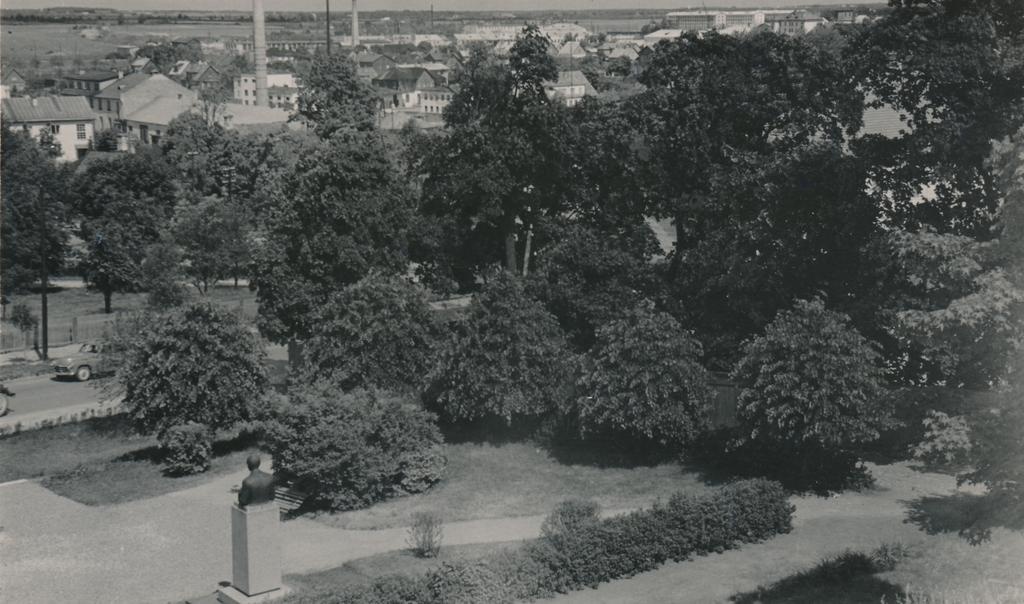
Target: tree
[507,360]
[35,218]
[339,214]
[952,71]
[196,364]
[213,235]
[123,204]
[643,377]
[348,451]
[333,98]
[531,66]
[376,333]
[105,140]
[811,379]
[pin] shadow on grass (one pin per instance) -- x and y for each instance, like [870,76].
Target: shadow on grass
[971,516]
[221,448]
[846,579]
[609,453]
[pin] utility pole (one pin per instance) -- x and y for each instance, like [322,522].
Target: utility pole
[328,20]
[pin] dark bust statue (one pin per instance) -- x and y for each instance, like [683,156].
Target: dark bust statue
[258,486]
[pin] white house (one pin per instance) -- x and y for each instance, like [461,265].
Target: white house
[282,89]
[570,88]
[68,118]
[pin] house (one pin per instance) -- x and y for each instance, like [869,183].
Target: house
[195,75]
[12,84]
[68,118]
[370,65]
[797,22]
[143,65]
[126,51]
[626,52]
[148,123]
[282,89]
[253,118]
[662,34]
[571,50]
[118,102]
[87,83]
[570,88]
[404,85]
[436,69]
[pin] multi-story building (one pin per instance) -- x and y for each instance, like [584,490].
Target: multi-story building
[117,104]
[69,119]
[87,83]
[706,20]
[282,89]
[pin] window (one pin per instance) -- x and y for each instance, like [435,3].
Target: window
[81,131]
[246,92]
[55,128]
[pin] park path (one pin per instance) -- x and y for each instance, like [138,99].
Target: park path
[177,545]
[171,547]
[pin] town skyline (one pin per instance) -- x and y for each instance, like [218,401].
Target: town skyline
[403,5]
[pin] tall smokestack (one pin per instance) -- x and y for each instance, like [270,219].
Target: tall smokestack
[259,52]
[355,24]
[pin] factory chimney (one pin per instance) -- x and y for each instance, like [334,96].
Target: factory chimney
[259,52]
[355,24]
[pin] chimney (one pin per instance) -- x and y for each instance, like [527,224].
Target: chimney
[355,24]
[259,51]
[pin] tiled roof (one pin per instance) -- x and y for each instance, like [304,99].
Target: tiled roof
[47,109]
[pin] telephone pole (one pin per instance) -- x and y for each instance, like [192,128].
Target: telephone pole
[328,26]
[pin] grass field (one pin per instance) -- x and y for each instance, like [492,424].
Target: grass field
[488,481]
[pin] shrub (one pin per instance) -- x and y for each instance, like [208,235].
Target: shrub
[22,318]
[570,516]
[425,534]
[643,378]
[587,551]
[197,364]
[507,360]
[946,442]
[811,383]
[350,450]
[376,333]
[187,449]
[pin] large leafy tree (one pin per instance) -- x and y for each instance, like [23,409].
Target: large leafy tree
[504,164]
[376,333]
[643,377]
[214,237]
[333,98]
[341,212]
[508,359]
[35,221]
[123,204]
[196,364]
[811,381]
[953,71]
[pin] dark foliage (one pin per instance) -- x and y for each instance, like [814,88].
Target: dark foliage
[187,449]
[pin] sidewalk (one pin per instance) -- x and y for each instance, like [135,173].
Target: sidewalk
[178,545]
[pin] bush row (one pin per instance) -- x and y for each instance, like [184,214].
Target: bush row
[582,553]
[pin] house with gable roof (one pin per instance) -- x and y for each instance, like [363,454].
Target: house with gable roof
[118,105]
[68,118]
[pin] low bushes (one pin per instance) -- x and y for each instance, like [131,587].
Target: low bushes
[584,552]
[187,449]
[351,450]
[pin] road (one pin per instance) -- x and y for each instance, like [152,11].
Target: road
[42,393]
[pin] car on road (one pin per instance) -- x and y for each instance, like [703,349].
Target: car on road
[84,364]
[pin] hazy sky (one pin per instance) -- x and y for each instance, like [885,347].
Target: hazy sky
[448,5]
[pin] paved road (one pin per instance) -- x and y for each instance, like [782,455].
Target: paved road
[42,393]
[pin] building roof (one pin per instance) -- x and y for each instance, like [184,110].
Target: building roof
[160,110]
[236,114]
[11,75]
[664,34]
[572,48]
[92,76]
[406,77]
[289,90]
[48,109]
[573,77]
[123,85]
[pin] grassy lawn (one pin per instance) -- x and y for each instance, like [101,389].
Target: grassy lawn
[365,570]
[488,481]
[849,578]
[100,462]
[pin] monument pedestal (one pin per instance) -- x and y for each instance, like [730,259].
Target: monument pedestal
[255,555]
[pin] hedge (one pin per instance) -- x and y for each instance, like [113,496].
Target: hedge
[591,553]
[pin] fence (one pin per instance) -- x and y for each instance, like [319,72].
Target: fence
[64,331]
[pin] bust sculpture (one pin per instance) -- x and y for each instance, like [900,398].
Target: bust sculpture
[258,486]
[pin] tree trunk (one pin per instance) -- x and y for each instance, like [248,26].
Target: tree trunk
[107,294]
[44,313]
[510,252]
[526,252]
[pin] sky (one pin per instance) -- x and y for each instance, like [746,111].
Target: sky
[439,5]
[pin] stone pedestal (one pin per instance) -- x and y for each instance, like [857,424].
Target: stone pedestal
[255,554]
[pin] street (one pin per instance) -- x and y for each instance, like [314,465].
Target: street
[42,393]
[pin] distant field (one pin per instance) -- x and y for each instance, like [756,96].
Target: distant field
[19,43]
